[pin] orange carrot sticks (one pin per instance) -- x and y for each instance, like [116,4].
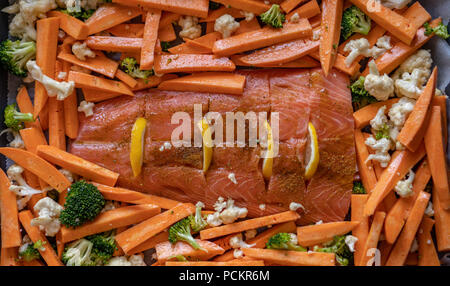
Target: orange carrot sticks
[110,15]
[92,95]
[100,64]
[363,116]
[150,243]
[361,231]
[167,18]
[366,170]
[47,252]
[314,234]
[75,28]
[427,251]
[248,224]
[247,26]
[9,256]
[253,6]
[149,39]
[330,33]
[112,219]
[403,245]
[307,10]
[291,258]
[114,44]
[77,165]
[32,138]
[235,262]
[191,63]
[126,78]
[442,227]
[56,131]
[83,80]
[10,230]
[139,233]
[372,239]
[26,106]
[127,30]
[198,8]
[288,5]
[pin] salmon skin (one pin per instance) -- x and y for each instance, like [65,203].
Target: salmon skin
[298,96]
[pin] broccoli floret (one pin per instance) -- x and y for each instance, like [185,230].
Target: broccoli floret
[78,253]
[103,248]
[383,133]
[15,119]
[15,55]
[181,231]
[440,30]
[358,188]
[82,15]
[197,221]
[130,66]
[30,253]
[83,203]
[273,17]
[213,5]
[360,96]
[338,246]
[285,241]
[354,21]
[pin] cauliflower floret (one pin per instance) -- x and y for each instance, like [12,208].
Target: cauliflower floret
[380,119]
[133,260]
[76,5]
[400,111]
[384,42]
[190,27]
[411,85]
[48,219]
[22,29]
[395,4]
[248,15]
[295,18]
[237,242]
[361,46]
[220,204]
[404,187]
[68,174]
[232,178]
[429,210]
[238,253]
[293,206]
[232,213]
[87,108]
[350,240]
[380,87]
[109,206]
[14,138]
[214,219]
[420,60]
[19,186]
[381,148]
[12,9]
[226,25]
[81,51]
[54,88]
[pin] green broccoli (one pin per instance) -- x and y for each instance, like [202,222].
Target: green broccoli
[83,203]
[440,30]
[82,15]
[15,55]
[338,246]
[181,231]
[130,66]
[78,253]
[31,252]
[15,119]
[273,17]
[360,96]
[197,222]
[103,247]
[285,241]
[383,133]
[213,5]
[354,21]
[358,188]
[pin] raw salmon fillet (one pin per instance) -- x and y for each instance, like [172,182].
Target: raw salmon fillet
[298,96]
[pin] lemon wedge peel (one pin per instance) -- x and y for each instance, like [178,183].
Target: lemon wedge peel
[137,145]
[207,143]
[313,163]
[268,158]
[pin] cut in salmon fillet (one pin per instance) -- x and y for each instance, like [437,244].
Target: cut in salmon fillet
[299,96]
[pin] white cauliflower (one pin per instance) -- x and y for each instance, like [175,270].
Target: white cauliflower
[87,108]
[400,111]
[381,148]
[226,213]
[48,219]
[384,42]
[214,219]
[226,25]
[362,47]
[420,60]
[248,15]
[109,206]
[350,240]
[429,210]
[232,178]
[411,85]
[60,89]
[404,188]
[77,5]
[68,174]
[19,186]
[293,206]
[380,87]
[14,138]
[133,260]
[237,242]
[81,51]
[190,27]
[395,4]
[380,119]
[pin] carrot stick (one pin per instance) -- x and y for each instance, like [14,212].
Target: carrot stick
[372,238]
[56,131]
[139,233]
[385,249]
[363,116]
[253,6]
[37,166]
[190,47]
[100,64]
[441,101]
[262,38]
[398,214]
[47,252]
[110,15]
[415,126]
[83,80]
[396,24]
[314,234]
[330,33]
[214,14]
[26,106]
[205,82]
[167,34]
[112,219]
[442,228]
[291,258]
[152,81]
[361,231]
[248,26]
[46,45]
[289,5]
[307,10]
[43,115]
[397,169]
[127,30]
[166,250]
[32,137]
[125,78]
[366,170]
[167,18]
[77,165]
[149,40]
[192,63]
[150,243]
[198,8]
[114,44]
[304,62]
[206,41]
[427,251]
[403,245]
[92,95]
[248,224]
[35,262]
[133,197]
[72,26]
[9,256]
[340,64]
[10,230]
[235,262]
[436,156]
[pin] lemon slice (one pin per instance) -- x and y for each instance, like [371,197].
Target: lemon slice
[207,143]
[312,152]
[137,145]
[268,159]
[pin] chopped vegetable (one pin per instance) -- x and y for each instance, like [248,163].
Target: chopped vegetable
[103,247]
[83,14]
[273,17]
[338,246]
[383,133]
[181,231]
[286,241]
[440,30]
[78,253]
[130,66]
[360,96]
[358,188]
[15,55]
[197,221]
[15,119]
[31,252]
[354,21]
